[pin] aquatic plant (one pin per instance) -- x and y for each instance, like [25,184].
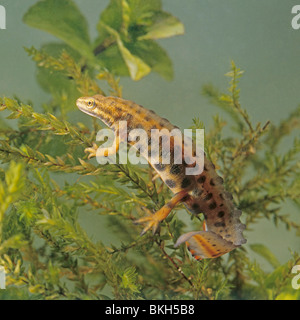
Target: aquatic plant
[48,186]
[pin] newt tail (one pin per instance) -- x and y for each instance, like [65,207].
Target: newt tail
[200,193]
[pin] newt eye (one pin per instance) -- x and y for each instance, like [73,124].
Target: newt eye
[91,104]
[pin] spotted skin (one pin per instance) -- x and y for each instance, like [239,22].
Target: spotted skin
[202,193]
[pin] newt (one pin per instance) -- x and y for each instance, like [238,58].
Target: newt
[201,193]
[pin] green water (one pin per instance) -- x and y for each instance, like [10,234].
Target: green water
[256,34]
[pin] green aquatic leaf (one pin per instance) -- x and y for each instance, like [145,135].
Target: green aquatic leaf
[136,66]
[124,15]
[155,56]
[164,25]
[111,16]
[62,19]
[130,25]
[113,61]
[142,10]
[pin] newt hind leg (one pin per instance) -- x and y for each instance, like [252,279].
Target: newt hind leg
[152,221]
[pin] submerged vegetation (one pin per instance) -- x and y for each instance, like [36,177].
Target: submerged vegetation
[47,185]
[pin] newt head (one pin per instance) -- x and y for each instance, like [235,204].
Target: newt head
[107,109]
[87,105]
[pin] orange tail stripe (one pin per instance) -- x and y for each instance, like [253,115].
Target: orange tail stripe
[209,250]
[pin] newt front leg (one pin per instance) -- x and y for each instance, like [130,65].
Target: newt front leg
[120,135]
[154,220]
[96,151]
